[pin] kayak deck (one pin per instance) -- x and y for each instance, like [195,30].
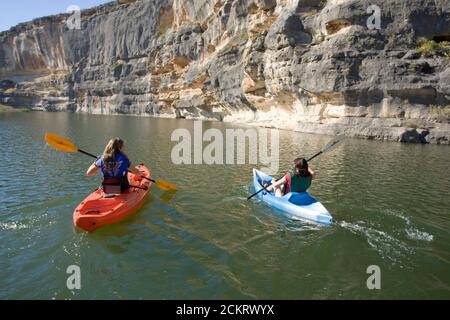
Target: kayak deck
[295,205]
[100,209]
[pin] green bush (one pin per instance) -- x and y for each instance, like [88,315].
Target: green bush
[322,3]
[432,48]
[162,30]
[4,109]
[411,123]
[441,114]
[117,63]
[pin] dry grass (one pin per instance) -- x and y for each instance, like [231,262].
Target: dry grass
[10,91]
[166,19]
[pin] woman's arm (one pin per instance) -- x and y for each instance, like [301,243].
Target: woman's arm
[93,169]
[312,172]
[276,184]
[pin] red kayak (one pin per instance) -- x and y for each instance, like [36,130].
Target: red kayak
[100,209]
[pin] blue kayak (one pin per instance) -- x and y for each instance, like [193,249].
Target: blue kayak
[295,205]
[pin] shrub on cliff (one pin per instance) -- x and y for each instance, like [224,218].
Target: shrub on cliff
[9,109]
[431,48]
[440,114]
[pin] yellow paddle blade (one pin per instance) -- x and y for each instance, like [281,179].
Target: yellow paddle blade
[60,143]
[166,186]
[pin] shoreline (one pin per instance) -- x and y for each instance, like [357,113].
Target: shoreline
[9,109]
[381,133]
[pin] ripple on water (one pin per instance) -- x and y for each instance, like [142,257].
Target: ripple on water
[11,226]
[409,228]
[387,246]
[415,234]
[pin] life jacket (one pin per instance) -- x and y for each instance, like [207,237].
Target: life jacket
[115,185]
[296,183]
[116,168]
[287,186]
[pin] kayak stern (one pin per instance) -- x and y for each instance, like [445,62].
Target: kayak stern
[100,209]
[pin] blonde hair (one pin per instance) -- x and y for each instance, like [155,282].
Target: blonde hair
[112,149]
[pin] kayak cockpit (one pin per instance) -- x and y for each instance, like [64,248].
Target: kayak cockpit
[295,205]
[301,199]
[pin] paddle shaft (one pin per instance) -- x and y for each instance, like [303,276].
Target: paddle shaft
[92,156]
[314,156]
[87,153]
[145,189]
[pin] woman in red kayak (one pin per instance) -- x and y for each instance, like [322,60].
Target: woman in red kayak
[297,180]
[114,165]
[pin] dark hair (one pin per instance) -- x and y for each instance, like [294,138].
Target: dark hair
[301,167]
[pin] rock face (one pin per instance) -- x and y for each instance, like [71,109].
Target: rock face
[306,65]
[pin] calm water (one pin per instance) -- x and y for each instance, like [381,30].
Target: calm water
[390,201]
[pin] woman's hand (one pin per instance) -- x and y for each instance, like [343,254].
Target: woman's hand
[312,172]
[134,170]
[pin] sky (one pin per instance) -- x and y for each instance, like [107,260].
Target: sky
[16,11]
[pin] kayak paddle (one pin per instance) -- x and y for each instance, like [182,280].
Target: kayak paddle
[65,145]
[330,146]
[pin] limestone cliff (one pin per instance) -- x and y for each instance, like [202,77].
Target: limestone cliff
[305,65]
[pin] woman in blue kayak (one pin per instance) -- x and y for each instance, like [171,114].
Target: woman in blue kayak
[114,165]
[297,180]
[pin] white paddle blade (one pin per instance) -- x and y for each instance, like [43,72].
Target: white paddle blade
[334,143]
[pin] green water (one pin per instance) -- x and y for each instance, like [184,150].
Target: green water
[390,201]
